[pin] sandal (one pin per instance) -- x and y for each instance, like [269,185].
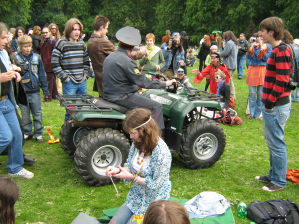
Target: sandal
[260,118]
[249,116]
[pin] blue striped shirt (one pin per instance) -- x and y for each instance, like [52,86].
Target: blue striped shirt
[70,61]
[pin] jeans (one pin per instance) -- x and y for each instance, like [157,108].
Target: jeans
[248,61]
[136,100]
[52,86]
[274,123]
[295,97]
[255,103]
[35,107]
[190,63]
[122,215]
[71,88]
[11,136]
[240,65]
[231,83]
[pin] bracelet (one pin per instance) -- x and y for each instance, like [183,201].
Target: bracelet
[136,179]
[133,175]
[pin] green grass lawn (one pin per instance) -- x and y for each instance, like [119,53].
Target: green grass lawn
[57,194]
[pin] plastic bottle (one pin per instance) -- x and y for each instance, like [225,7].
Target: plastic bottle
[242,210]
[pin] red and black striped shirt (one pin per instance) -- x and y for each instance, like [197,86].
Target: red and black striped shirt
[278,70]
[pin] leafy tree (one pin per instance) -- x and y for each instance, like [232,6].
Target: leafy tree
[290,15]
[169,16]
[136,13]
[250,30]
[15,12]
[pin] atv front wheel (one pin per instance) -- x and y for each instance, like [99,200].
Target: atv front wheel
[100,149]
[203,144]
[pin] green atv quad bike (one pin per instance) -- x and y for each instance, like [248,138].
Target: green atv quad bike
[94,135]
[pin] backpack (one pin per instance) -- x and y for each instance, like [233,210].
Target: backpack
[276,211]
[231,120]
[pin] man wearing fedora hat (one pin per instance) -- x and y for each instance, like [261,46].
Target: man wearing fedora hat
[121,77]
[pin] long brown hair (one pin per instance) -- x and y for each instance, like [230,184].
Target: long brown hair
[9,194]
[43,39]
[229,35]
[287,37]
[170,212]
[207,40]
[36,29]
[69,27]
[16,33]
[57,34]
[148,133]
[275,24]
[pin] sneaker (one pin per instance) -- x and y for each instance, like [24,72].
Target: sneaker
[232,112]
[39,139]
[271,187]
[28,137]
[23,173]
[263,179]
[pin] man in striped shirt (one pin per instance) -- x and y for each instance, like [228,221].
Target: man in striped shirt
[70,60]
[276,100]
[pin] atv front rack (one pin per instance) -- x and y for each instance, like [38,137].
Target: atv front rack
[196,94]
[81,103]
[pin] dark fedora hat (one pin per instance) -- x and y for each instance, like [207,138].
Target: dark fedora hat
[129,36]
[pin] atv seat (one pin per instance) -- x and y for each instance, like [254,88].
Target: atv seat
[101,103]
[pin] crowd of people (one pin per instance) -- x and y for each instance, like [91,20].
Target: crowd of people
[43,59]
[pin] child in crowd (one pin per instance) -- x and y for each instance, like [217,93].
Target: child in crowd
[33,77]
[9,194]
[213,49]
[208,61]
[195,50]
[190,60]
[183,78]
[170,212]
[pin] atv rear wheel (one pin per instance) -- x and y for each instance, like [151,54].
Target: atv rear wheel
[100,149]
[71,136]
[202,144]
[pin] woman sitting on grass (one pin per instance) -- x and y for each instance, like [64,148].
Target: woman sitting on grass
[9,194]
[147,166]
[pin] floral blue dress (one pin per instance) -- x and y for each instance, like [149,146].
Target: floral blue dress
[155,170]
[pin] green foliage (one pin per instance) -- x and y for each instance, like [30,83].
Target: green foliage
[15,12]
[290,15]
[196,17]
[250,30]
[168,16]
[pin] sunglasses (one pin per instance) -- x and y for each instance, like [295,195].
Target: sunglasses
[44,32]
[217,77]
[53,28]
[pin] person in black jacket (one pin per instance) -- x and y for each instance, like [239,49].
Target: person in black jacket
[243,48]
[36,39]
[204,51]
[223,89]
